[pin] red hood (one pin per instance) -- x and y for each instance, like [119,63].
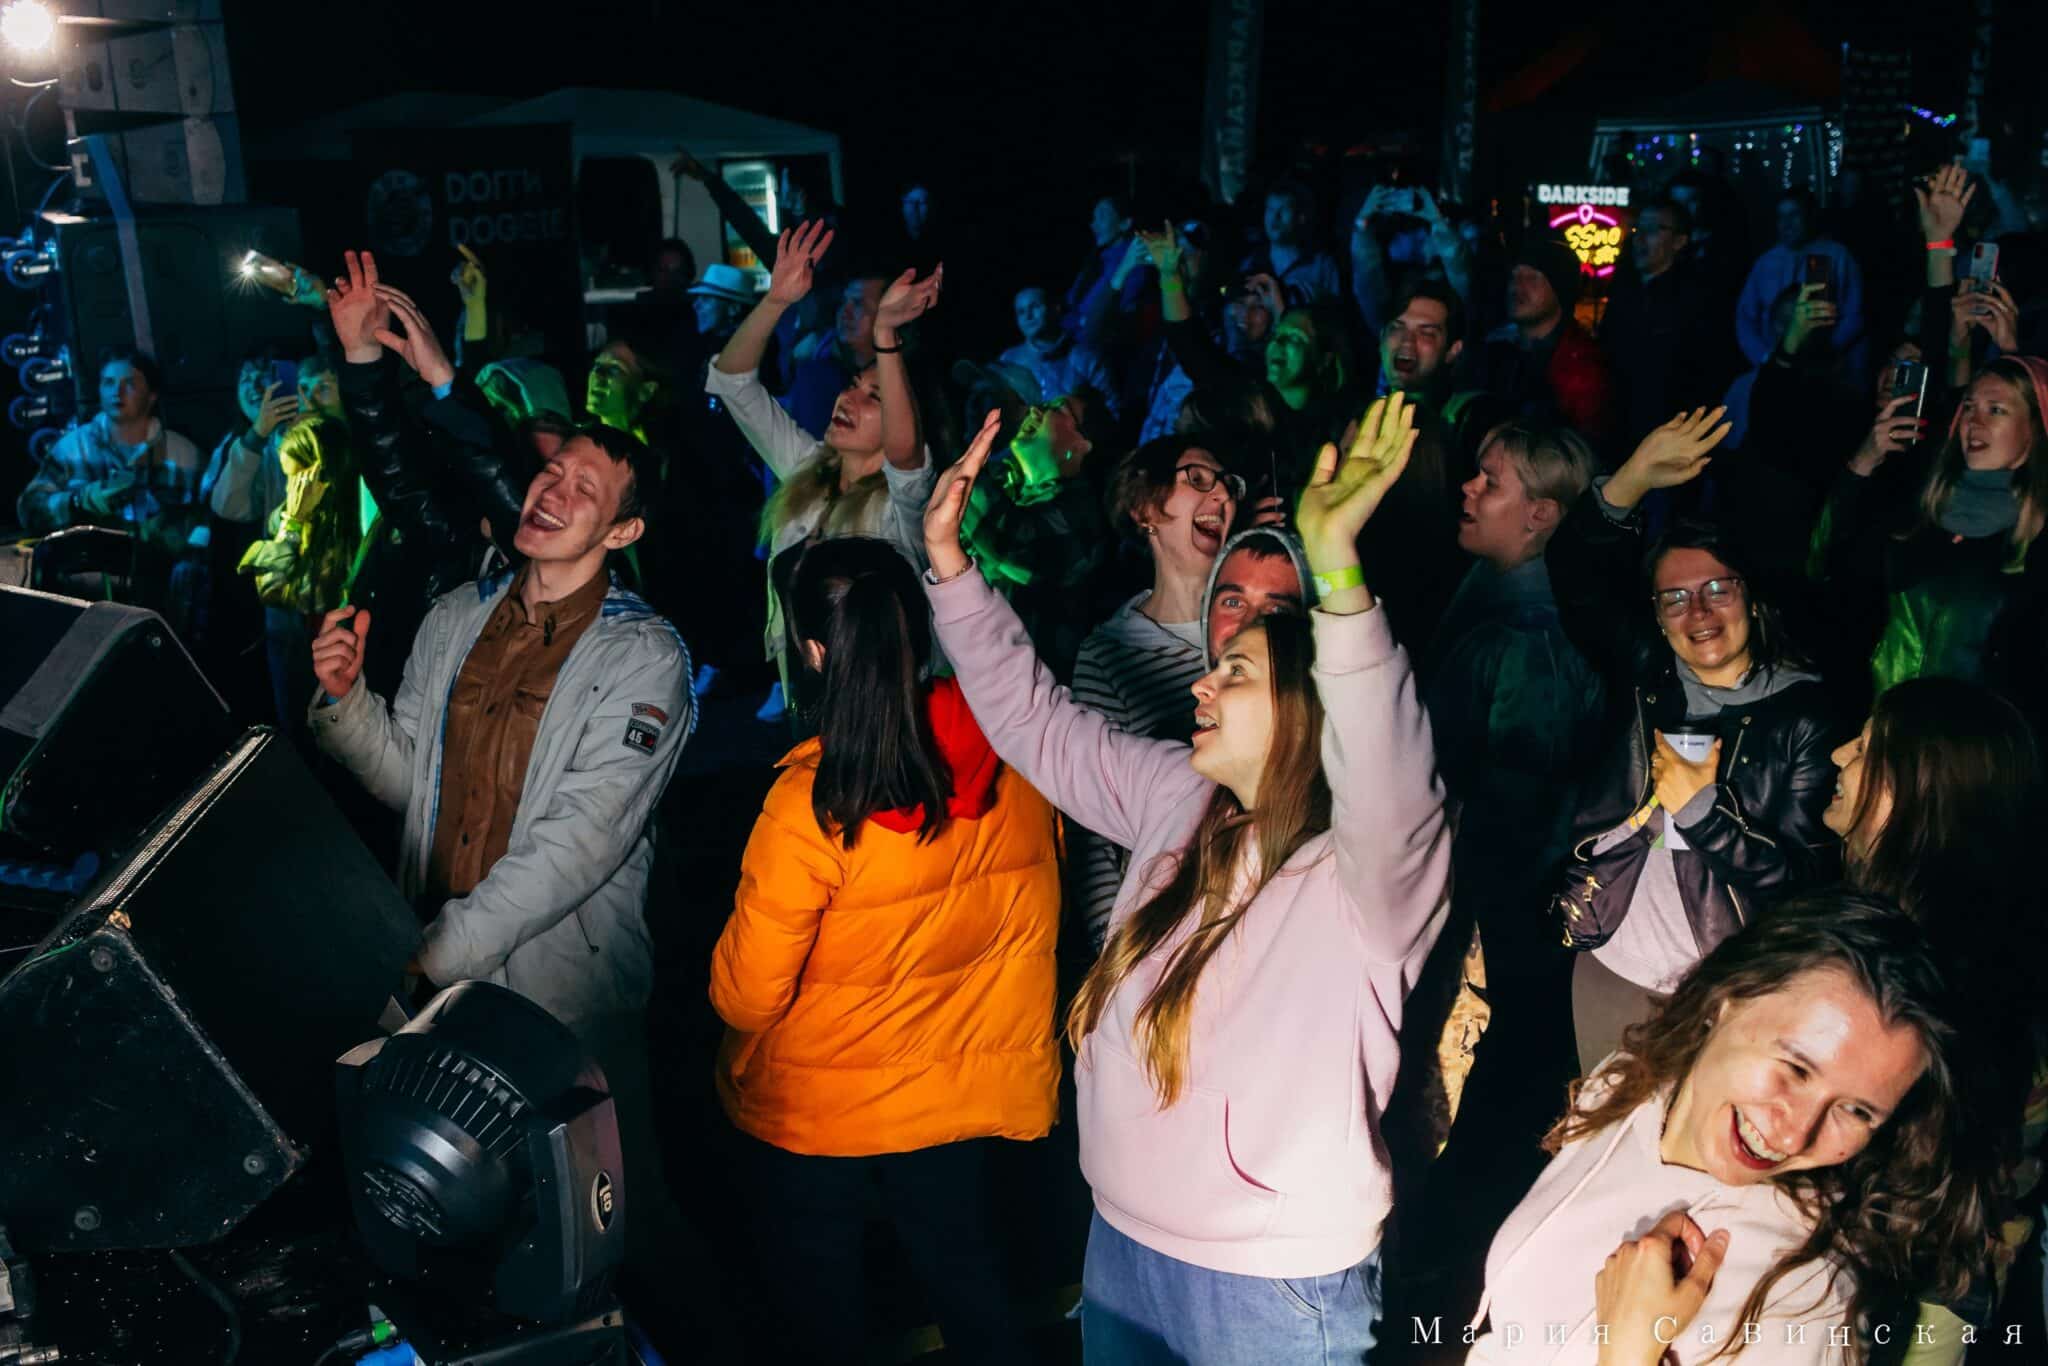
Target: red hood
[968,757]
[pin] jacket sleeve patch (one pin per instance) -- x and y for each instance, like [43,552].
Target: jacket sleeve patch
[642,735]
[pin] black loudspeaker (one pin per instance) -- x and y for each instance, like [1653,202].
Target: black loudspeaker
[104,721]
[170,1045]
[203,315]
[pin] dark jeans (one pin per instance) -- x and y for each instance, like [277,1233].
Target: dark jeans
[808,1224]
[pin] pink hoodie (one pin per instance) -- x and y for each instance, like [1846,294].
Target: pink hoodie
[1271,1163]
[1615,1185]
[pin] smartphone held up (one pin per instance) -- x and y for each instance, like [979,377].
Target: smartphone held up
[294,282]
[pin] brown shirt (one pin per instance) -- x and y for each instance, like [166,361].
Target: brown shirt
[493,716]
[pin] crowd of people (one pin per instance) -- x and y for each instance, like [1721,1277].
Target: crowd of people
[1478,807]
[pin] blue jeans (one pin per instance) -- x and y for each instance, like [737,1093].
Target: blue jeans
[1144,1308]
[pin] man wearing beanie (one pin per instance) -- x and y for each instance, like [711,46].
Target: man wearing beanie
[1541,363]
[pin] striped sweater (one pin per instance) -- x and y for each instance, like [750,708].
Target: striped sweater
[1138,673]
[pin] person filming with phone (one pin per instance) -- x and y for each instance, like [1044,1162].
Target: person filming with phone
[1802,256]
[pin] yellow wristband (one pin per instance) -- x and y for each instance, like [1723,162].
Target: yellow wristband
[1336,580]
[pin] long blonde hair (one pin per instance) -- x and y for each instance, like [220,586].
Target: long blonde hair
[1294,807]
[2029,375]
[812,490]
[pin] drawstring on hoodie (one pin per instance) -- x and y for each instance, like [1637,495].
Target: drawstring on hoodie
[1620,1132]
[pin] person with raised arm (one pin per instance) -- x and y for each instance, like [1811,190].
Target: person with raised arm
[1238,1037]
[1703,805]
[868,474]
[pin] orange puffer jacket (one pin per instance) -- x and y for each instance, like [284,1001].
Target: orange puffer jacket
[894,996]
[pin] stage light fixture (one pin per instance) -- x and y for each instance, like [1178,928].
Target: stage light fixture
[28,25]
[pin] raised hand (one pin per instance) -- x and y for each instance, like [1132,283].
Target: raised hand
[1165,249]
[1640,1296]
[1943,199]
[907,299]
[797,252]
[1342,496]
[1809,315]
[1895,429]
[1992,308]
[468,277]
[1673,454]
[275,410]
[338,649]
[418,347]
[948,504]
[356,309]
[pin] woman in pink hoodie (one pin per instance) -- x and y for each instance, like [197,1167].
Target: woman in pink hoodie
[1783,1159]
[1238,1037]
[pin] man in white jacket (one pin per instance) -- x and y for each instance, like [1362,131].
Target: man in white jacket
[538,720]
[540,717]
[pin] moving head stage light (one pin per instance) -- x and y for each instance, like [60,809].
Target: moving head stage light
[483,1157]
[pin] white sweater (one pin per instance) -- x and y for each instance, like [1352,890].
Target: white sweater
[1613,1186]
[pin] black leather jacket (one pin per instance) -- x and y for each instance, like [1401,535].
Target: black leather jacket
[1763,839]
[435,474]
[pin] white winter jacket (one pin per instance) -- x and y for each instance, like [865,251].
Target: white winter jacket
[559,917]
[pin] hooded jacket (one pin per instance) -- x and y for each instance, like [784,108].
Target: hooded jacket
[1283,540]
[898,994]
[559,918]
[1270,1163]
[1614,1185]
[539,386]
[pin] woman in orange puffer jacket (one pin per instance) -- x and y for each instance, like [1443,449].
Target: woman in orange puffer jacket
[887,973]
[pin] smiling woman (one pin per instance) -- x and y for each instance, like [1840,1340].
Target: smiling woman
[1791,1126]
[1675,849]
[1236,1042]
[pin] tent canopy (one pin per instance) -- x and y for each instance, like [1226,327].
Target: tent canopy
[604,123]
[648,124]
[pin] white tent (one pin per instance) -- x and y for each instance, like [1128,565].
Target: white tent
[603,123]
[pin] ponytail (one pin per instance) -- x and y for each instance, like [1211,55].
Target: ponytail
[859,598]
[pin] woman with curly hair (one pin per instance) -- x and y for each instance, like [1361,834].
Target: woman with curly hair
[1786,1148]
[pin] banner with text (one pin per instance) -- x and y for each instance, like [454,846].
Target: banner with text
[1230,109]
[508,194]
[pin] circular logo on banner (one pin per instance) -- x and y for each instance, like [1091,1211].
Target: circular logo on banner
[602,1205]
[400,214]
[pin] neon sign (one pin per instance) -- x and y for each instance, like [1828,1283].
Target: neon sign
[1615,195]
[1594,237]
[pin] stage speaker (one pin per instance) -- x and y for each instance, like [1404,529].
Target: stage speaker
[204,316]
[104,720]
[170,1045]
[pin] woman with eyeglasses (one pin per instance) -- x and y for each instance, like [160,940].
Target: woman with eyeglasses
[1707,805]
[1137,667]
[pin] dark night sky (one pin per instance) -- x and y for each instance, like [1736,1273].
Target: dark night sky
[1023,109]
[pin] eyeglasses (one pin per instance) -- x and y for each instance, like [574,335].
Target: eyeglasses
[1715,593]
[1203,478]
